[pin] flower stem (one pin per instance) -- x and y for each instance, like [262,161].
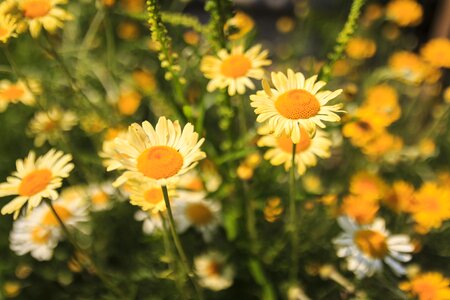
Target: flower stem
[292,225]
[184,261]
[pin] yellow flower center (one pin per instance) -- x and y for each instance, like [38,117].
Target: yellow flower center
[235,66]
[40,235]
[13,92]
[100,198]
[297,104]
[36,8]
[160,162]
[195,184]
[284,142]
[35,182]
[213,268]
[3,32]
[153,195]
[199,214]
[371,243]
[50,219]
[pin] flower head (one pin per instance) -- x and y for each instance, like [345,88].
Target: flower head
[35,179]
[234,69]
[427,286]
[239,25]
[360,48]
[294,103]
[8,28]
[213,271]
[404,12]
[437,52]
[14,92]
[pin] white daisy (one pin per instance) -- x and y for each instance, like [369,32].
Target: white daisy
[213,271]
[367,246]
[234,69]
[295,102]
[192,209]
[151,222]
[100,196]
[35,179]
[159,154]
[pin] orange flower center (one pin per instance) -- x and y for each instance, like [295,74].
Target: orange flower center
[426,290]
[3,32]
[13,92]
[213,268]
[371,243]
[195,184]
[297,104]
[40,235]
[199,214]
[285,143]
[50,219]
[235,66]
[160,162]
[100,198]
[35,182]
[36,8]
[153,195]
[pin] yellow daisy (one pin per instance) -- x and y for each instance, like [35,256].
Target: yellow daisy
[410,67]
[35,179]
[14,92]
[239,25]
[43,13]
[306,151]
[437,52]
[295,102]
[404,12]
[147,195]
[7,28]
[427,286]
[159,154]
[360,48]
[234,69]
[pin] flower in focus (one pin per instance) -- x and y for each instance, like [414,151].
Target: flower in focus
[360,208]
[13,93]
[43,13]
[306,151]
[213,271]
[360,48]
[192,209]
[234,69]
[366,247]
[400,197]
[147,195]
[437,52]
[49,125]
[427,286]
[431,207]
[238,26]
[35,179]
[159,154]
[294,103]
[8,28]
[404,12]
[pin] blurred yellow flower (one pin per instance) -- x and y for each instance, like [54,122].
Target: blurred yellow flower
[411,68]
[234,69]
[191,37]
[295,104]
[12,289]
[285,24]
[341,68]
[14,92]
[35,179]
[128,30]
[244,171]
[427,286]
[368,185]
[129,101]
[437,52]
[372,12]
[431,207]
[43,13]
[133,6]
[382,102]
[360,208]
[383,144]
[361,130]
[273,209]
[239,25]
[400,197]
[145,80]
[360,48]
[404,12]
[7,28]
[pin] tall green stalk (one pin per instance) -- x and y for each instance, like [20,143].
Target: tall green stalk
[292,225]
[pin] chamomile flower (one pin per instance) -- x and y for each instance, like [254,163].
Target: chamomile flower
[111,158]
[101,195]
[366,247]
[306,151]
[151,222]
[295,102]
[49,125]
[147,195]
[213,271]
[192,209]
[234,69]
[14,92]
[35,179]
[43,13]
[158,154]
[8,28]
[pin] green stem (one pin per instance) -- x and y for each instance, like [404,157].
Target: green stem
[292,225]
[184,261]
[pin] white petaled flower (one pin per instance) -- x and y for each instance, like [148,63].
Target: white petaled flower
[295,102]
[191,181]
[29,235]
[111,158]
[148,195]
[366,247]
[100,196]
[192,209]
[15,92]
[213,271]
[234,69]
[43,13]
[151,222]
[306,151]
[35,179]
[158,154]
[49,125]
